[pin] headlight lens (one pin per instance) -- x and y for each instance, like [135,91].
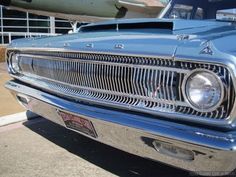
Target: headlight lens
[204,91]
[15,63]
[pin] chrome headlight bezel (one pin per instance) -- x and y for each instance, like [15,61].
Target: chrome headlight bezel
[14,68]
[188,99]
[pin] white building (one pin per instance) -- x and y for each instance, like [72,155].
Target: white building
[16,24]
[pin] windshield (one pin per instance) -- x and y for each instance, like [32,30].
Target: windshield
[224,10]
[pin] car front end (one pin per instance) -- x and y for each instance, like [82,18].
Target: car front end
[161,89]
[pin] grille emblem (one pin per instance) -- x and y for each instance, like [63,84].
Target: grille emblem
[91,45]
[207,49]
[119,46]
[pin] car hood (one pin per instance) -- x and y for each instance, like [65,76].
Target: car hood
[158,37]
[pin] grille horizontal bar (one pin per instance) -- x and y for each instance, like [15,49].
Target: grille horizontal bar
[140,82]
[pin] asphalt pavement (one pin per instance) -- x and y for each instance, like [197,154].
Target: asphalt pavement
[40,148]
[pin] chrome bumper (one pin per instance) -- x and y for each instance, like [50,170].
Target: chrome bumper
[213,152]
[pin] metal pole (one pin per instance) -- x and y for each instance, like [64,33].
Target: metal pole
[9,38]
[27,19]
[52,25]
[1,17]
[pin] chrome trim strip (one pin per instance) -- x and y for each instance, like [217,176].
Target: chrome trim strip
[184,71]
[81,51]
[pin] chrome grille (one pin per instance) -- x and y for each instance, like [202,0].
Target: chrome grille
[140,83]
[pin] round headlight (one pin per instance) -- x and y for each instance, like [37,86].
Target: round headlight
[203,90]
[15,63]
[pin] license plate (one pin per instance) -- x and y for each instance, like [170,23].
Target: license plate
[78,123]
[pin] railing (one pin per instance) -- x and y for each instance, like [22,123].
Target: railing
[15,24]
[8,36]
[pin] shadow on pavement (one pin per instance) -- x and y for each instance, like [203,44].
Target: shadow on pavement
[115,161]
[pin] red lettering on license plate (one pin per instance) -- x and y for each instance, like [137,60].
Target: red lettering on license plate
[78,123]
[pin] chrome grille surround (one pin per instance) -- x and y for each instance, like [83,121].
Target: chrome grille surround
[145,84]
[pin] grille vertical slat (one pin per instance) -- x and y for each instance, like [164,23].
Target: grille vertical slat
[171,87]
[140,80]
[160,96]
[87,75]
[167,85]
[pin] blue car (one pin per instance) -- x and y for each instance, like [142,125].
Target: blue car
[162,88]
